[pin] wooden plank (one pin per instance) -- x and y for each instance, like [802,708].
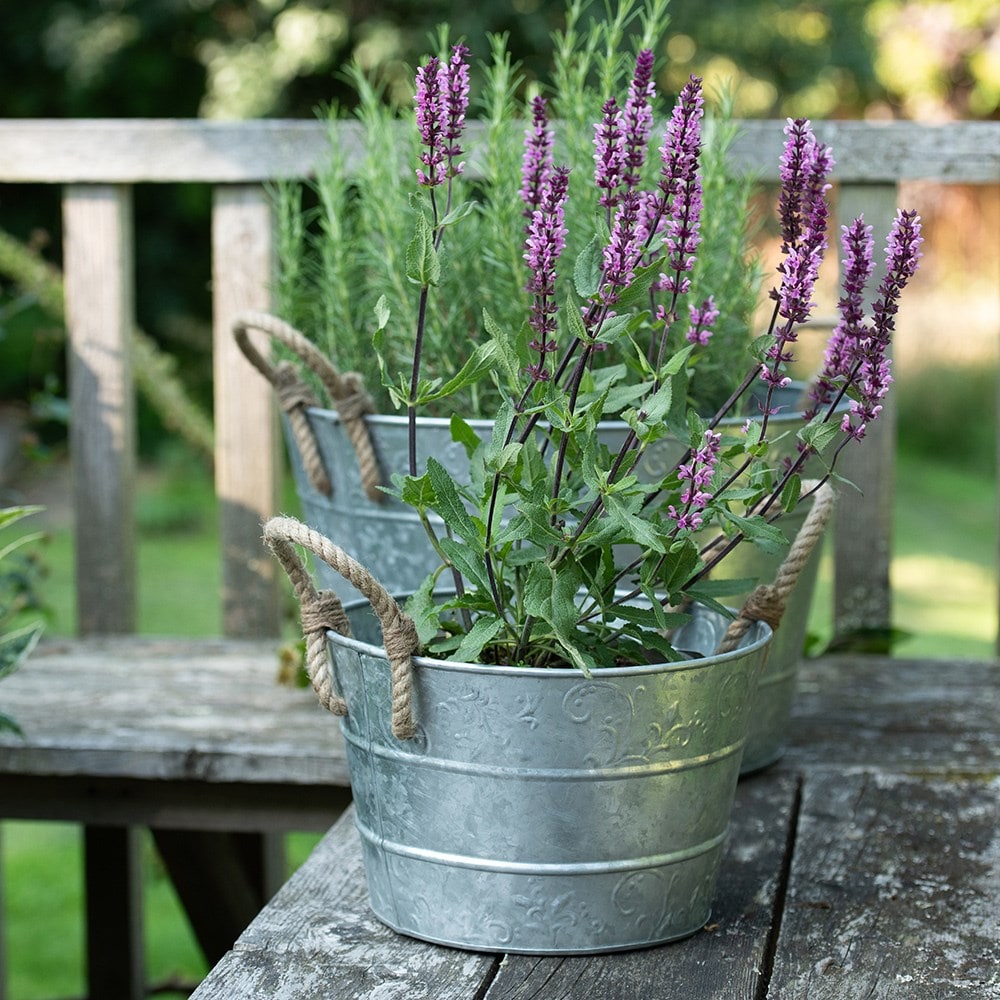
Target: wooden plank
[183,805]
[894,891]
[318,933]
[919,716]
[97,253]
[730,959]
[186,150]
[208,711]
[863,520]
[113,879]
[318,938]
[246,429]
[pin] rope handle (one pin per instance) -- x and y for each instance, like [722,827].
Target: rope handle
[347,392]
[768,601]
[321,611]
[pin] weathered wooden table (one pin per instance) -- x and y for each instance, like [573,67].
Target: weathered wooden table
[192,738]
[865,864]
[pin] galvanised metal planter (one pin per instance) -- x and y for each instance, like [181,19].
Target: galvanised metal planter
[540,811]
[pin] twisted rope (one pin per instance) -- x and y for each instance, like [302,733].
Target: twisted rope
[321,611]
[767,602]
[346,392]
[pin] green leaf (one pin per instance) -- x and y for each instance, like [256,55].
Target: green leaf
[550,596]
[382,312]
[469,563]
[755,529]
[589,268]
[422,264]
[818,433]
[449,504]
[7,724]
[463,434]
[415,491]
[652,617]
[697,593]
[676,362]
[484,630]
[16,647]
[458,213]
[8,515]
[479,363]
[574,321]
[505,417]
[420,606]
[791,493]
[613,329]
[506,358]
[633,527]
[680,565]
[638,289]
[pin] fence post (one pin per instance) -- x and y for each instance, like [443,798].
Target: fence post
[98,262]
[246,439]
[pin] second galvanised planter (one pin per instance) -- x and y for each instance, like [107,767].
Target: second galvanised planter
[541,811]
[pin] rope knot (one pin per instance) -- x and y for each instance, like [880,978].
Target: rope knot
[400,639]
[355,403]
[324,613]
[765,604]
[291,391]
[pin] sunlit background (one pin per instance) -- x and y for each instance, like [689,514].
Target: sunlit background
[927,60]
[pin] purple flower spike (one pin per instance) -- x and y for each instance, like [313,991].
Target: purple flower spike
[842,347]
[702,318]
[795,159]
[430,115]
[545,242]
[902,259]
[637,119]
[681,185]
[537,162]
[698,473]
[456,103]
[442,98]
[805,168]
[682,140]
[622,254]
[609,153]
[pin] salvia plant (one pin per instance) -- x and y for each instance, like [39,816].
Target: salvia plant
[343,241]
[560,548]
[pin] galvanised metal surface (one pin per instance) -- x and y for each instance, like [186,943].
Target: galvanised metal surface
[543,811]
[775,694]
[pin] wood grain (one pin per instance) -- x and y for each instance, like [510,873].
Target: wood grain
[208,711]
[893,891]
[97,259]
[246,426]
[182,150]
[909,716]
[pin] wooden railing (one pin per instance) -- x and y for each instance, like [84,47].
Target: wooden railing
[98,162]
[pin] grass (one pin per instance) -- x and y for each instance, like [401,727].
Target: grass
[944,583]
[44,897]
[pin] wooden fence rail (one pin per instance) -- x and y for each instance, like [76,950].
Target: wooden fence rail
[99,161]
